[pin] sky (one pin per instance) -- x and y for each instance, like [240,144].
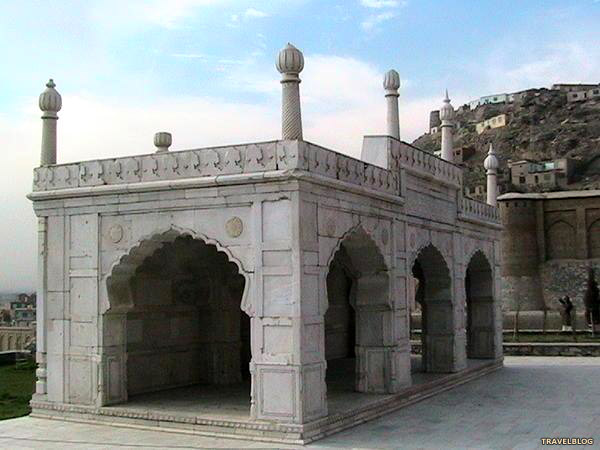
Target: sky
[204,71]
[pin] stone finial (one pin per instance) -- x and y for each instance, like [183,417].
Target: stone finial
[50,100]
[162,141]
[290,63]
[491,161]
[391,84]
[446,111]
[391,81]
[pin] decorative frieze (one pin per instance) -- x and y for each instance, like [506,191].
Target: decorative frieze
[470,209]
[426,165]
[210,162]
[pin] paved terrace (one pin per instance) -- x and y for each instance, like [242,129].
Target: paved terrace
[512,408]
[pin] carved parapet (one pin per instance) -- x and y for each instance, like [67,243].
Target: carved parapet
[350,170]
[217,161]
[159,166]
[427,165]
[473,210]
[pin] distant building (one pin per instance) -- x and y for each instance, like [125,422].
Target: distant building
[479,192]
[517,97]
[493,122]
[434,121]
[549,242]
[581,96]
[462,154]
[489,100]
[567,87]
[16,338]
[23,310]
[544,175]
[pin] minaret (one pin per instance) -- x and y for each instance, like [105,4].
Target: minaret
[491,165]
[447,118]
[50,103]
[391,84]
[290,63]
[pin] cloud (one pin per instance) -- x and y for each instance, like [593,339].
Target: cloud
[343,100]
[170,14]
[371,21]
[564,62]
[249,14]
[252,13]
[378,4]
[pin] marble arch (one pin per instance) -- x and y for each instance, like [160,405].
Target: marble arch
[369,297]
[124,266]
[482,342]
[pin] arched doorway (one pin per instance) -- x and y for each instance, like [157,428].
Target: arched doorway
[185,331]
[479,308]
[434,295]
[359,317]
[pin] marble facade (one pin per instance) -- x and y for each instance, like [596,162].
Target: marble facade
[262,261]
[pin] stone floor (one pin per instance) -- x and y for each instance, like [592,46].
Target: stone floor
[531,397]
[233,402]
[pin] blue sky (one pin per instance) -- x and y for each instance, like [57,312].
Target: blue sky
[143,49]
[204,70]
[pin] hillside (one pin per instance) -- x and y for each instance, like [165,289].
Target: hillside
[541,126]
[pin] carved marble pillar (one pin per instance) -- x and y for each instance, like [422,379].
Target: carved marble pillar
[290,63]
[40,385]
[50,103]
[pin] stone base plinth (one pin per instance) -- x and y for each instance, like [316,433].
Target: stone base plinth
[350,411]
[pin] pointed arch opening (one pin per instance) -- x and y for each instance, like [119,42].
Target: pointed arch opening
[561,241]
[434,298]
[479,310]
[178,300]
[359,316]
[594,239]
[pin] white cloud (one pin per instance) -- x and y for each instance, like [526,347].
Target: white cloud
[118,17]
[255,13]
[371,21]
[378,4]
[565,62]
[169,14]
[343,100]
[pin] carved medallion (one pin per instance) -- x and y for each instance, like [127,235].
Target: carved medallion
[234,227]
[115,233]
